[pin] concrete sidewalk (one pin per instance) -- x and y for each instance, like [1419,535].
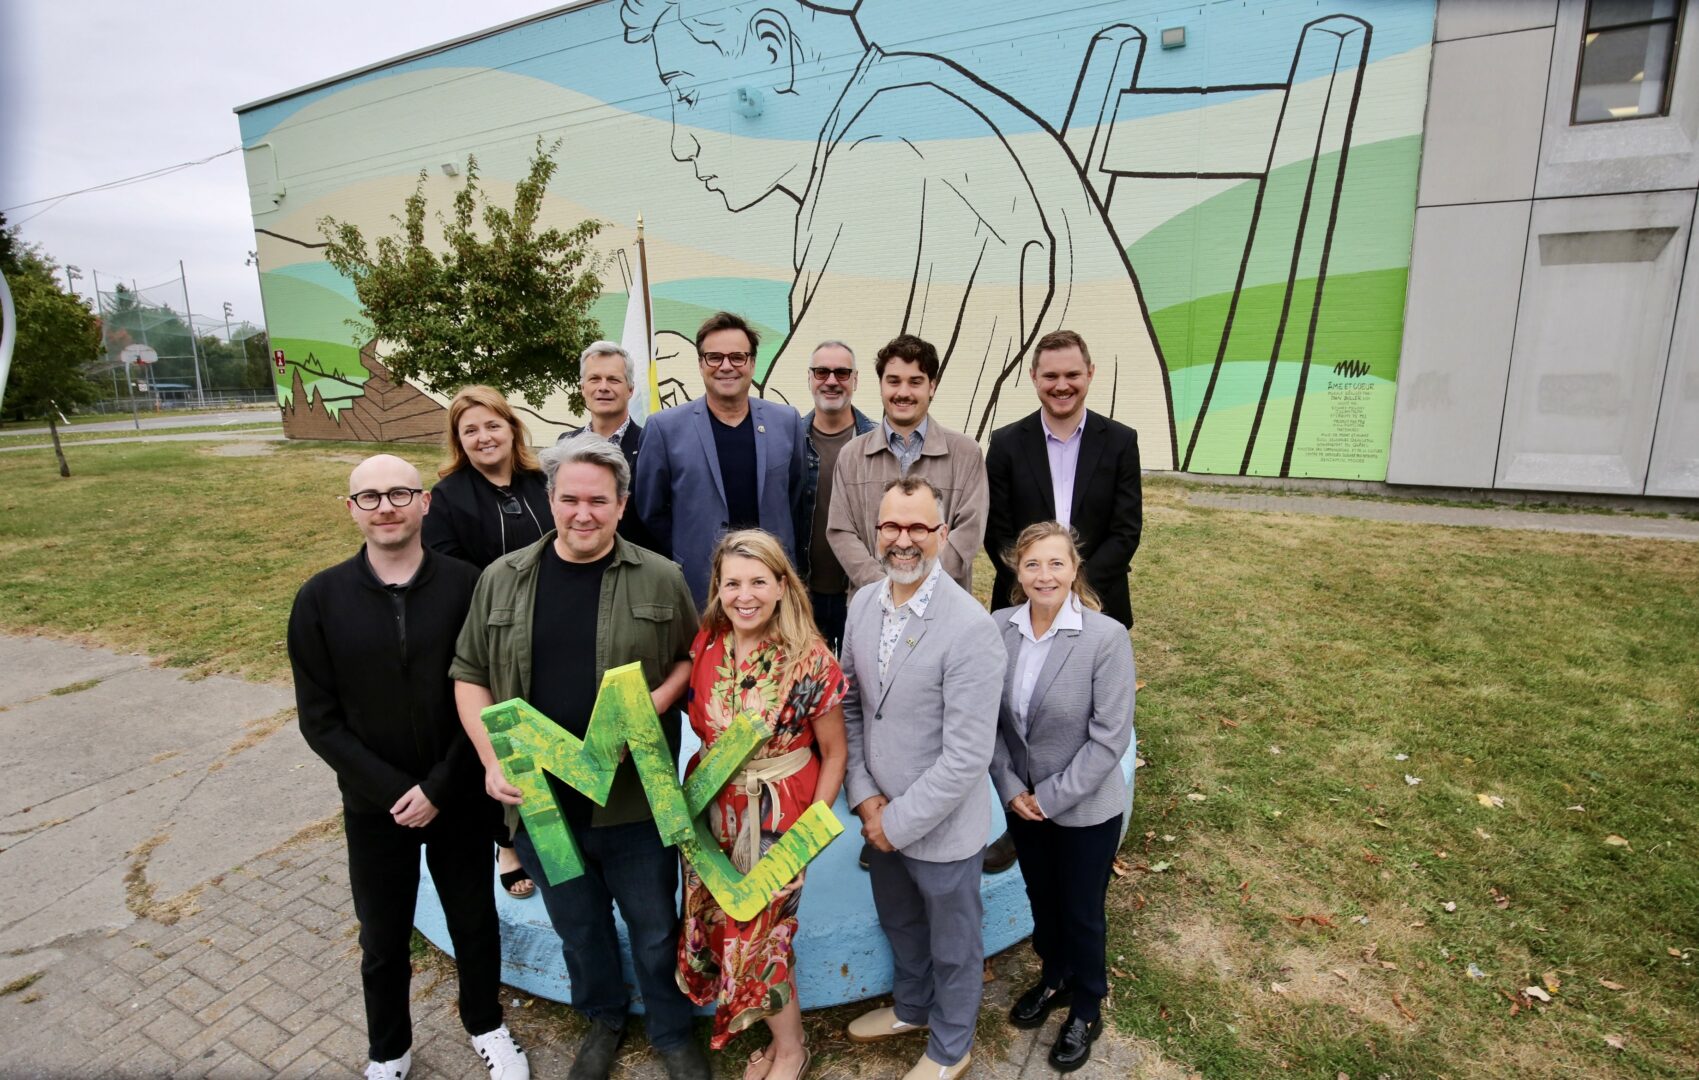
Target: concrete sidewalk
[1369,509]
[174,890]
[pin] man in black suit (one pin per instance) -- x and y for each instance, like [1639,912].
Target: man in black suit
[608,378]
[1065,464]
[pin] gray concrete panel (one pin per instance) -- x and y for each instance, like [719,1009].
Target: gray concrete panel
[1592,341]
[1644,154]
[1675,443]
[1472,18]
[1465,274]
[1486,99]
[32,667]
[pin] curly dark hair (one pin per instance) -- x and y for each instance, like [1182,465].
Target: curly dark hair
[913,349]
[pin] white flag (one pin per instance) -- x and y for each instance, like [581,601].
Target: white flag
[636,340]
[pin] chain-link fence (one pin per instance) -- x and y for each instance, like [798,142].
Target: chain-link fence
[191,359]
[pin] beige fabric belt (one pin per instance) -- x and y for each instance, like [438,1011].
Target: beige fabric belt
[758,775]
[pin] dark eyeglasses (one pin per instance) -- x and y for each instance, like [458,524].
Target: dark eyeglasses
[889,531]
[821,374]
[735,359]
[371,500]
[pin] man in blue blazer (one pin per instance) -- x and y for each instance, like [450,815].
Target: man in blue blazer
[724,461]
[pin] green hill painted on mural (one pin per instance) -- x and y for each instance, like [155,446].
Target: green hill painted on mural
[1197,252]
[1362,318]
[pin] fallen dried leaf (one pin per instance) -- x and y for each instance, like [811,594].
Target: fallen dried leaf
[1401,757]
[1403,1009]
[1277,988]
[1474,972]
[1500,900]
[1551,981]
[1139,901]
[1616,841]
[1578,808]
[1229,723]
[1387,964]
[1274,750]
[1482,833]
[1244,892]
[1139,685]
[1537,994]
[1195,796]
[1158,868]
[1139,763]
[1341,976]
[1491,802]
[1118,973]
[1608,985]
[1673,952]
[1442,854]
[1616,1042]
[1381,823]
[1361,920]
[1167,838]
[1412,780]
[1120,867]
[1449,905]
[1371,858]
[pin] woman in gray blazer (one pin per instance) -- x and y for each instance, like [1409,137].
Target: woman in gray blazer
[1065,723]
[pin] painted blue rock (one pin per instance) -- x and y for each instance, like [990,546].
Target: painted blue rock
[841,955]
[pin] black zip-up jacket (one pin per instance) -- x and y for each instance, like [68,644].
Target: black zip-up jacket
[466,521]
[371,681]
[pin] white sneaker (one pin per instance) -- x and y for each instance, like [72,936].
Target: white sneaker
[390,1070]
[502,1056]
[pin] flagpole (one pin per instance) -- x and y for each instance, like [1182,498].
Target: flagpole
[648,319]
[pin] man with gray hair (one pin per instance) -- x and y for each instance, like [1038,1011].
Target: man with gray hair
[829,427]
[608,379]
[920,718]
[527,636]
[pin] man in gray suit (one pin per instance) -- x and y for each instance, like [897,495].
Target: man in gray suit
[925,665]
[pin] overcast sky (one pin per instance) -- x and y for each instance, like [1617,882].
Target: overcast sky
[92,92]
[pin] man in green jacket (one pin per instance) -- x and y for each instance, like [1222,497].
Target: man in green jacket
[528,636]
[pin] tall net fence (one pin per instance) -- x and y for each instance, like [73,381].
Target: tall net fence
[195,359]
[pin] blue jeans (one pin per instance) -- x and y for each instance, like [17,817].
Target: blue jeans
[627,865]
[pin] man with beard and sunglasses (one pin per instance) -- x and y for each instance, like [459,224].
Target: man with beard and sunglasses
[370,642]
[920,718]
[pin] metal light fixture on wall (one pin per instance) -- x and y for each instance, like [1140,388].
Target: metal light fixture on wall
[449,169]
[1174,37]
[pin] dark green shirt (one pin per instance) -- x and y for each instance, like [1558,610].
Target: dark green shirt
[645,614]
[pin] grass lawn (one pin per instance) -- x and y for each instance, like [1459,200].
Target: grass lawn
[68,437]
[1543,689]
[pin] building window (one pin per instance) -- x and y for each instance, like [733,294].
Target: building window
[1627,57]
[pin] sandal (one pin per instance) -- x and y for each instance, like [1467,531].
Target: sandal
[518,884]
[807,1060]
[760,1062]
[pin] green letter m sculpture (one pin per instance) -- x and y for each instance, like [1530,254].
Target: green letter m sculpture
[529,745]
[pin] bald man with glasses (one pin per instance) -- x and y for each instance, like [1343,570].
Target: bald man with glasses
[370,643]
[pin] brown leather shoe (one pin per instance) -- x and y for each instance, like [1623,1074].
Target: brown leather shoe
[999,854]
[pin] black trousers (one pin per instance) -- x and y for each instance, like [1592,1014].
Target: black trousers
[383,869]
[1067,872]
[831,611]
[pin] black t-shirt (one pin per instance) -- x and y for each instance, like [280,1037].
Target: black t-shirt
[563,651]
[736,449]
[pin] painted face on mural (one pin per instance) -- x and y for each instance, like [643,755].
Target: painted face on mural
[1062,377]
[827,383]
[486,438]
[389,526]
[586,507]
[703,77]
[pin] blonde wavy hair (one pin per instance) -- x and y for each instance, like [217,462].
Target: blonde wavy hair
[1044,530]
[792,625]
[470,397]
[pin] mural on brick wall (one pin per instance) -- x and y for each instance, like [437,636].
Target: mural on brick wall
[1227,220]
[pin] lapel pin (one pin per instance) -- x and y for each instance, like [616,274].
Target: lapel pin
[911,643]
[762,428]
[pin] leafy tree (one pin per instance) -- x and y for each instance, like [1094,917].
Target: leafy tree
[58,338]
[503,304]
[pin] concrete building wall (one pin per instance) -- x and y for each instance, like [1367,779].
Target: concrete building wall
[1550,333]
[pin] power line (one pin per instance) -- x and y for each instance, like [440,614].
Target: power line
[151,174]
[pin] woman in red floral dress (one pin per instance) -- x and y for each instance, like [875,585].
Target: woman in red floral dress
[759,653]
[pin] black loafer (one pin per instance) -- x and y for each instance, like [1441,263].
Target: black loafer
[1034,1006]
[1073,1046]
[866,855]
[999,854]
[595,1056]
